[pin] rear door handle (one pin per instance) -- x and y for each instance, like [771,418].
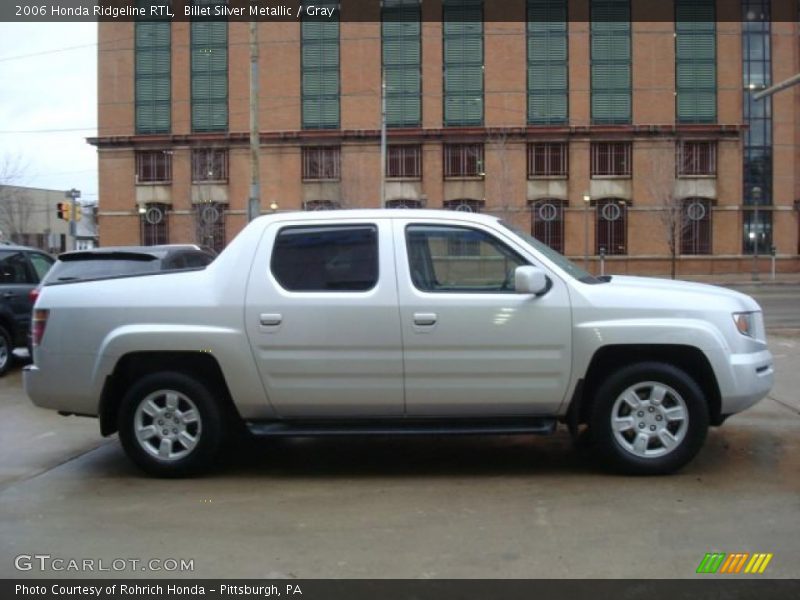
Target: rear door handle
[425,319]
[270,319]
[9,295]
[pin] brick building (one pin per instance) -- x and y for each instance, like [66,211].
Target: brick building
[593,124]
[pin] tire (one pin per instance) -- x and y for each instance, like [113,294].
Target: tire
[191,419]
[6,351]
[649,418]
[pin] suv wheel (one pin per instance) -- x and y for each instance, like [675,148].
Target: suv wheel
[6,351]
[649,419]
[170,425]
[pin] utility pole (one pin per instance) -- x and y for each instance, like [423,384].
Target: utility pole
[587,200]
[756,195]
[383,138]
[254,204]
[73,196]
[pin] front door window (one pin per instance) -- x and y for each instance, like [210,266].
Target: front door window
[459,259]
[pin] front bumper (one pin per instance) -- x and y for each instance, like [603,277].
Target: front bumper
[752,377]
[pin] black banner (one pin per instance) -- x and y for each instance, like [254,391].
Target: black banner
[717,588]
[372,10]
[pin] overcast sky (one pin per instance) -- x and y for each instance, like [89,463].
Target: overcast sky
[48,82]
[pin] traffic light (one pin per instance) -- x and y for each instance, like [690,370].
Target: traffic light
[65,211]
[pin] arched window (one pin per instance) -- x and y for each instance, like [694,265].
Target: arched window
[547,222]
[404,203]
[154,224]
[465,205]
[209,218]
[696,226]
[463,246]
[612,226]
[321,205]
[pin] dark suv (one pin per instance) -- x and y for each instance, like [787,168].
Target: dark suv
[21,270]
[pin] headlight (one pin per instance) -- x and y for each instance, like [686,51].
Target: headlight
[746,323]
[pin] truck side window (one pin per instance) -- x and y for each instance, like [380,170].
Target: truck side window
[326,258]
[459,259]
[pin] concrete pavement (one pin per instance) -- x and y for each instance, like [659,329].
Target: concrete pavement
[470,507]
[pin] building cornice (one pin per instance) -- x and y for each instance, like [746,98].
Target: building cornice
[419,134]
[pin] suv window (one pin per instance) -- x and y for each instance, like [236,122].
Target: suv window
[41,264]
[459,259]
[14,268]
[326,259]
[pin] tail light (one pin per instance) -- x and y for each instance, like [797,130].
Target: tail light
[38,324]
[33,295]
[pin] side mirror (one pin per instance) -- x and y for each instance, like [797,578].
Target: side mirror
[530,280]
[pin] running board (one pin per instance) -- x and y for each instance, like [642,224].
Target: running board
[400,426]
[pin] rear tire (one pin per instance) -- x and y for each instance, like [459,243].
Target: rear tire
[6,351]
[648,418]
[170,425]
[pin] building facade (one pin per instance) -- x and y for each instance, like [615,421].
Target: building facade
[599,128]
[29,217]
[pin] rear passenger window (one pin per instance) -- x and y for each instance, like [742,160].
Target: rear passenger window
[326,259]
[41,264]
[14,268]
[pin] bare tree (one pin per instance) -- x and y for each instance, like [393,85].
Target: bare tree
[16,206]
[668,207]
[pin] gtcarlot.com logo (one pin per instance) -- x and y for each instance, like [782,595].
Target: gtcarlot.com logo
[734,563]
[46,562]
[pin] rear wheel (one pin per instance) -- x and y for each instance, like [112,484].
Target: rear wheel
[649,419]
[170,425]
[6,351]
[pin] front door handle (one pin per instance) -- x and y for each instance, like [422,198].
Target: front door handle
[270,319]
[425,319]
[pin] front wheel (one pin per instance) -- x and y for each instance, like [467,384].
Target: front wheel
[170,425]
[649,419]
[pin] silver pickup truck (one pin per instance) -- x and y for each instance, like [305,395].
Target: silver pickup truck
[396,322]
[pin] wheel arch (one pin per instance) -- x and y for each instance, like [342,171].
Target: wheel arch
[202,366]
[607,359]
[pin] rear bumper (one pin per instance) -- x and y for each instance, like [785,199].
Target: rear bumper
[752,377]
[34,388]
[45,392]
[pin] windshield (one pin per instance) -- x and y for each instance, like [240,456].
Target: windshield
[559,259]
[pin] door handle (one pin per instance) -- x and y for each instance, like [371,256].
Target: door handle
[270,319]
[9,295]
[425,319]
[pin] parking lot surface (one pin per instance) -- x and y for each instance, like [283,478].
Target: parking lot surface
[502,507]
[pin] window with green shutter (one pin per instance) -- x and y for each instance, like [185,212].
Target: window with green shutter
[611,61]
[209,45]
[152,55]
[400,33]
[463,62]
[547,62]
[320,71]
[695,61]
